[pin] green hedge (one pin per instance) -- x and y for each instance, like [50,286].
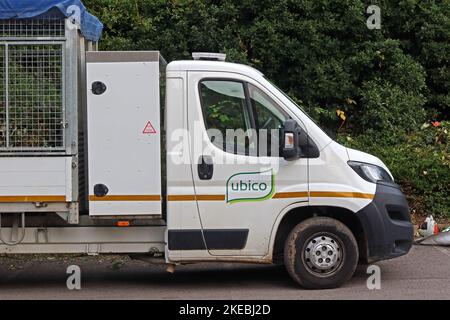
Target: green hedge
[389,82]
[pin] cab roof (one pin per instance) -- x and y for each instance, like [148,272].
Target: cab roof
[213,66]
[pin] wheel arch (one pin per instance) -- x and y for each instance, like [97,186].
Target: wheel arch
[295,214]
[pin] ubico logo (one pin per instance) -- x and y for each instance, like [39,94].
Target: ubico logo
[250,186]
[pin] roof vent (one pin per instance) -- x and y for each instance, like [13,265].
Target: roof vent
[210,56]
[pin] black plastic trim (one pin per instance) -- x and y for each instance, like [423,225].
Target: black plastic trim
[216,239]
[387,237]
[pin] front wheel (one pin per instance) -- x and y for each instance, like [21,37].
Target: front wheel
[321,253]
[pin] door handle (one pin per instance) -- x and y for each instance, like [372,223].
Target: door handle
[205,167]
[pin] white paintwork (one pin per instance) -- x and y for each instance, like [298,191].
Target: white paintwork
[121,155]
[330,172]
[36,176]
[183,214]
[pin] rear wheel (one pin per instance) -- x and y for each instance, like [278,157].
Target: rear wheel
[321,253]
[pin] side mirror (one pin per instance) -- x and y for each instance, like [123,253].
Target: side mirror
[290,140]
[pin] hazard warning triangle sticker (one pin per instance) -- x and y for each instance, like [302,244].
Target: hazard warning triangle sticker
[149,128]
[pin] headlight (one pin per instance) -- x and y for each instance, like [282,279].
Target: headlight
[370,172]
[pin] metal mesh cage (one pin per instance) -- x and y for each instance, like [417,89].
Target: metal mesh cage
[3,125]
[32,28]
[35,99]
[32,92]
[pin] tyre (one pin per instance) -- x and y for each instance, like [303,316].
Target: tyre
[321,253]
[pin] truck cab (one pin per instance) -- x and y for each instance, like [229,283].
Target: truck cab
[251,177]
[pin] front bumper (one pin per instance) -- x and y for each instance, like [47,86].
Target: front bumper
[387,223]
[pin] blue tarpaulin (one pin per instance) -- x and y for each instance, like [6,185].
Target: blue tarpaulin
[90,26]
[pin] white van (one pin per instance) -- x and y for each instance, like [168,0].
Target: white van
[237,173]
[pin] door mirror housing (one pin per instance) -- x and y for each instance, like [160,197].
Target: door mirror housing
[290,140]
[295,142]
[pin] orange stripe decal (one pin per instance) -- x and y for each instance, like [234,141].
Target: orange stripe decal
[200,197]
[334,194]
[278,195]
[152,197]
[6,199]
[288,195]
[179,197]
[210,197]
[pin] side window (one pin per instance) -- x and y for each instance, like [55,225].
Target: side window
[269,118]
[226,115]
[268,114]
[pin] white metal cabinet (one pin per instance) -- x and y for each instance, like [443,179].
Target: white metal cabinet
[123,112]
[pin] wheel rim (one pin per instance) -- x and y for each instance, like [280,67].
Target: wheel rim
[323,254]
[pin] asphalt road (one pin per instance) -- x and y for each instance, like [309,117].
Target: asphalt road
[423,274]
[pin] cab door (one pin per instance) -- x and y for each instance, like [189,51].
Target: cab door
[241,184]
